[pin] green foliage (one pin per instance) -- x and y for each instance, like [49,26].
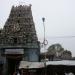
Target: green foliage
[55,47]
[57,50]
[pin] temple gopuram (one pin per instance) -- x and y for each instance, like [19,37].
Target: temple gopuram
[18,40]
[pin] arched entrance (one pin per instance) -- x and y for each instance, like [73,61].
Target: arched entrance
[13,63]
[13,58]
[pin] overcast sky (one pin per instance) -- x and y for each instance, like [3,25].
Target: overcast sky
[59,15]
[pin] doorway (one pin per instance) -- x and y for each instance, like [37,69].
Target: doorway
[12,66]
[13,63]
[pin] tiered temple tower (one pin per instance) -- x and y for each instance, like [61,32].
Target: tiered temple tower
[18,39]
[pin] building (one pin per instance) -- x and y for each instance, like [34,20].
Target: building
[18,39]
[64,67]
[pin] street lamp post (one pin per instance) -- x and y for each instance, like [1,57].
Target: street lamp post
[43,19]
[44,43]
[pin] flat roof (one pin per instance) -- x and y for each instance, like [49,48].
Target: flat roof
[62,62]
[30,65]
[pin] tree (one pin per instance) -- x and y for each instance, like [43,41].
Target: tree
[66,54]
[55,49]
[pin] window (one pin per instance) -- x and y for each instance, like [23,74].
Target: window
[19,15]
[15,40]
[18,21]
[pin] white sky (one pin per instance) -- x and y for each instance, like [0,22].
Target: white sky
[60,19]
